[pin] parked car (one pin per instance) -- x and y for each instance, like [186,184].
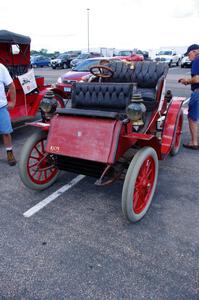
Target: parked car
[82,57]
[78,73]
[130,55]
[168,56]
[185,62]
[63,60]
[39,61]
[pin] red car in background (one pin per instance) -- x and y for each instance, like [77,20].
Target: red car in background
[130,55]
[78,73]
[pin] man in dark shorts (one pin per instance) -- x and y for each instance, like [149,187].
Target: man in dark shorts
[193,111]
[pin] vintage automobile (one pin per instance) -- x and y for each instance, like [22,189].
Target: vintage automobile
[15,55]
[118,127]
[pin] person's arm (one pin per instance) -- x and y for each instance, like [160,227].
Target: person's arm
[12,94]
[192,80]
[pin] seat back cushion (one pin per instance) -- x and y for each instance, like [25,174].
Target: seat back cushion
[102,96]
[122,72]
[147,73]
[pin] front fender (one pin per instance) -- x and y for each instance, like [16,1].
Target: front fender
[170,123]
[43,126]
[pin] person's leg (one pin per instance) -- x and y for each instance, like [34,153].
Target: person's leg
[7,140]
[193,126]
[5,130]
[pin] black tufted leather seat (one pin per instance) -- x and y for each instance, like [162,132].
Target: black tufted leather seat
[122,72]
[101,100]
[148,75]
[102,96]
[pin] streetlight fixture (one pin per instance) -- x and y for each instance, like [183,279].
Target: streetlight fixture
[88,10]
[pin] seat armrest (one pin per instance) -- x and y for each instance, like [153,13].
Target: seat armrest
[159,87]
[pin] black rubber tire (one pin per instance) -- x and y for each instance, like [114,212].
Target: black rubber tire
[23,162]
[130,180]
[174,150]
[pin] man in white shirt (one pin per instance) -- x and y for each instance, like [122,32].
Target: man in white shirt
[5,122]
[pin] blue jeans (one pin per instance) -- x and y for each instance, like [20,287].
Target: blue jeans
[193,111]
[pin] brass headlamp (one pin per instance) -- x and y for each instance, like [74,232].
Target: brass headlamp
[136,110]
[48,104]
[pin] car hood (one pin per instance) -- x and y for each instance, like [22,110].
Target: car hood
[77,60]
[163,56]
[55,60]
[73,75]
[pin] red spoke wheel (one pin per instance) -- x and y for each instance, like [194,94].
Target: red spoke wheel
[36,167]
[140,183]
[177,135]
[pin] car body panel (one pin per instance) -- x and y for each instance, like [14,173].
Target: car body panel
[80,130]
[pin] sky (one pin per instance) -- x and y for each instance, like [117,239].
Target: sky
[120,24]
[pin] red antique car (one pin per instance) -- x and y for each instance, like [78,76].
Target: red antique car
[117,128]
[15,55]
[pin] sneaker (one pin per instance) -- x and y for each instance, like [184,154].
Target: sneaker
[10,158]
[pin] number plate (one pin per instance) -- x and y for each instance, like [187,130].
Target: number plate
[67,89]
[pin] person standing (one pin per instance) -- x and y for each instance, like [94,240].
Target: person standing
[5,121]
[193,110]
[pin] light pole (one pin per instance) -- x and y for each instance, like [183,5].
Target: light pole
[88,10]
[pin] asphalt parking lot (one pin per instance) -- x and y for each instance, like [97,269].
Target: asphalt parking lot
[80,246]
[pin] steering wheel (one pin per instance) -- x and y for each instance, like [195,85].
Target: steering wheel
[101,71]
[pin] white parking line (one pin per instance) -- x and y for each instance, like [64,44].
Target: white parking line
[187,100]
[52,197]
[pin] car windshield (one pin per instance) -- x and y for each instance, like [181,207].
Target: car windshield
[165,53]
[86,65]
[124,53]
[83,56]
[62,56]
